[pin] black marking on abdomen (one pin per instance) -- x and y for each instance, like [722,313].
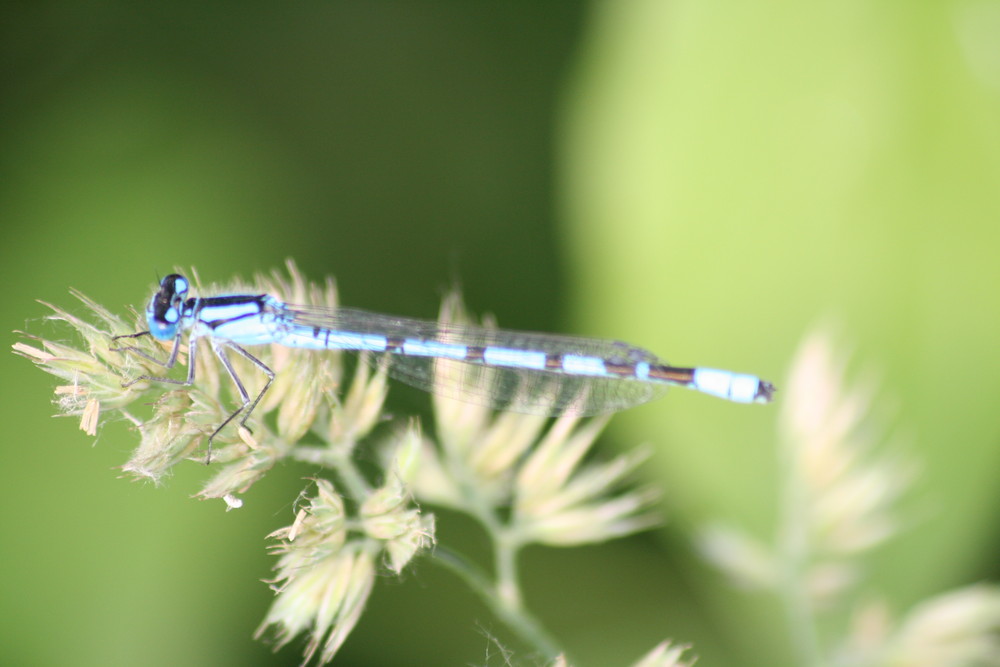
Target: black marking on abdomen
[620,369]
[671,374]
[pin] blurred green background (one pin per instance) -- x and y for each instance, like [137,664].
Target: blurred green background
[706,179]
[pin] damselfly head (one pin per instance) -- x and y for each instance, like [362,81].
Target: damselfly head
[163,313]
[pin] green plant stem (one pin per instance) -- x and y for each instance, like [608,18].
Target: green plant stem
[354,482]
[516,617]
[506,547]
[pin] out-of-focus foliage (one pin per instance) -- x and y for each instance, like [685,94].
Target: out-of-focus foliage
[735,174]
[705,179]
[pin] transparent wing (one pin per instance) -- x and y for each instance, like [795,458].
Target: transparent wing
[528,390]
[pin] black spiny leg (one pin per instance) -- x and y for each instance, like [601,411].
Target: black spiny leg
[168,364]
[247,408]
